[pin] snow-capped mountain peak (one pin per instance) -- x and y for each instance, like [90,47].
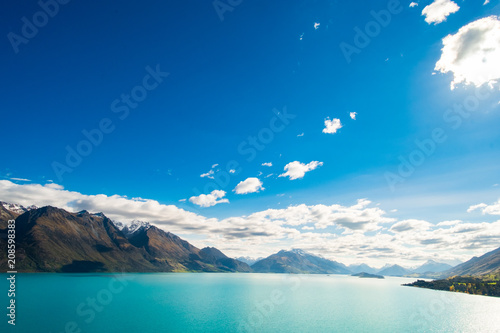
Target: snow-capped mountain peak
[133,227]
[299,252]
[19,209]
[136,225]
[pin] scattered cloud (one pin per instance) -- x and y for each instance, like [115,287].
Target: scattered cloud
[316,25]
[472,53]
[332,126]
[486,2]
[20,179]
[493,209]
[410,225]
[232,171]
[214,165]
[301,134]
[54,186]
[209,200]
[301,36]
[353,115]
[269,164]
[182,200]
[413,4]
[269,175]
[249,185]
[448,223]
[208,174]
[297,170]
[439,10]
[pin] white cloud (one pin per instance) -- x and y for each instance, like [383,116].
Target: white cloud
[182,200]
[358,217]
[208,174]
[413,4]
[439,10]
[269,175]
[232,171]
[54,186]
[493,209]
[269,164]
[301,36]
[209,200]
[353,115]
[486,2]
[316,25]
[21,179]
[249,185]
[448,223]
[301,134]
[297,170]
[410,225]
[332,126]
[472,53]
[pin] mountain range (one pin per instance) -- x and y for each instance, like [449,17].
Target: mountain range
[432,266]
[49,239]
[298,261]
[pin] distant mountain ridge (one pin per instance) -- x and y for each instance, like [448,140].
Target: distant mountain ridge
[432,267]
[298,261]
[362,268]
[394,270]
[248,260]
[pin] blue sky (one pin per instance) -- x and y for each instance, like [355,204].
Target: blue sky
[225,79]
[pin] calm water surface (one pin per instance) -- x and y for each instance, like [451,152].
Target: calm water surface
[239,303]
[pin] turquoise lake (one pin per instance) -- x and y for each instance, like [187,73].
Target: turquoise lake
[211,302]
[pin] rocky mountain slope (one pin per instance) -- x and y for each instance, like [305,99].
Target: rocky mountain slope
[50,239]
